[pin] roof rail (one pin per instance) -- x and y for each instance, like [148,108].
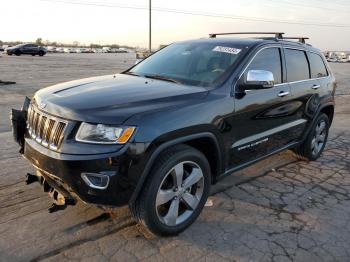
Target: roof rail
[301,39]
[278,35]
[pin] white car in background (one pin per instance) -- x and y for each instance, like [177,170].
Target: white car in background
[69,50]
[97,50]
[332,60]
[344,60]
[50,49]
[59,50]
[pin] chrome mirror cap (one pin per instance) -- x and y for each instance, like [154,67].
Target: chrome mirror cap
[259,79]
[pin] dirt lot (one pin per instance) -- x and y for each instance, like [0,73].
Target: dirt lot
[278,210]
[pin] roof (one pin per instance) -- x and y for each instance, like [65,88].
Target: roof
[252,41]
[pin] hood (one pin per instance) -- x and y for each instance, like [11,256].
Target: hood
[113,99]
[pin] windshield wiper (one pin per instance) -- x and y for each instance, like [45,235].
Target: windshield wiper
[164,78]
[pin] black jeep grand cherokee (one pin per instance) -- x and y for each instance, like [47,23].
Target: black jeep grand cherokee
[158,135]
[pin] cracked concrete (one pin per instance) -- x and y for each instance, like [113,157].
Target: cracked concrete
[280,209]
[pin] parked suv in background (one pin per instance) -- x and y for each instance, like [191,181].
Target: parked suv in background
[157,136]
[26,49]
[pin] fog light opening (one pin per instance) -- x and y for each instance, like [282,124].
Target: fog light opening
[96,180]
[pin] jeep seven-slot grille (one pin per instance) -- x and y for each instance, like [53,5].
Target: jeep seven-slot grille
[45,129]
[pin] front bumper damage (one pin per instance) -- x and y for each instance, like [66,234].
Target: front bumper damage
[103,179]
[61,197]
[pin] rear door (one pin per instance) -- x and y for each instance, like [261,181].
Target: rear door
[264,119]
[304,88]
[320,72]
[25,49]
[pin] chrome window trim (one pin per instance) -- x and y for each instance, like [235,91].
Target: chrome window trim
[251,60]
[285,83]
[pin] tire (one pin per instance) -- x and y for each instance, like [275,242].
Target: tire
[316,140]
[154,210]
[41,53]
[18,53]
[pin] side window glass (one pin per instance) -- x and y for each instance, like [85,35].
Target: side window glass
[297,65]
[268,59]
[318,68]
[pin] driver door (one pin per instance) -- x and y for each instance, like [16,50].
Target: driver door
[264,119]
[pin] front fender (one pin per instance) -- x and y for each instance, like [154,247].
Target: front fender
[161,147]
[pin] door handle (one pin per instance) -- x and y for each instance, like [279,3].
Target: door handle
[283,93]
[315,87]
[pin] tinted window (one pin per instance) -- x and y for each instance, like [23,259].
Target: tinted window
[270,60]
[297,65]
[318,69]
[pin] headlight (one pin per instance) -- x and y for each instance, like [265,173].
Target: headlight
[103,134]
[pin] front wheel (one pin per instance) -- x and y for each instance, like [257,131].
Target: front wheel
[176,191]
[316,140]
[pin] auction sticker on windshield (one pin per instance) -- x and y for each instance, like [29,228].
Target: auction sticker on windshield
[224,49]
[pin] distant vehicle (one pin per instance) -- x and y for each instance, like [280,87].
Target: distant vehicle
[69,50]
[50,49]
[120,51]
[344,60]
[332,60]
[59,50]
[2,49]
[84,50]
[26,49]
[106,49]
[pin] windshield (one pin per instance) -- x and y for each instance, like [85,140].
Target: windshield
[201,64]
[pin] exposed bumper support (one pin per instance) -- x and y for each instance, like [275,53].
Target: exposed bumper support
[18,122]
[61,197]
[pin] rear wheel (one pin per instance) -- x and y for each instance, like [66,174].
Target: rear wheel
[41,53]
[176,191]
[316,140]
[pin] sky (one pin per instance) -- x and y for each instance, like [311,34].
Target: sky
[106,22]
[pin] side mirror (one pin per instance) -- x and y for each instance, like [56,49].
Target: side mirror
[258,79]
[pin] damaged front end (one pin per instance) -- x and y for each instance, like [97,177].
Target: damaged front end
[61,197]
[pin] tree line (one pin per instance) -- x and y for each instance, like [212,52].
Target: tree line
[41,42]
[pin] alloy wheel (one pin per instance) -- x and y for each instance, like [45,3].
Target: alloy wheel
[319,138]
[179,193]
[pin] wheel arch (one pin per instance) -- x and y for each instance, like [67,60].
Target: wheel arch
[329,111]
[205,142]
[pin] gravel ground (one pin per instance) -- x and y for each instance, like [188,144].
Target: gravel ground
[280,209]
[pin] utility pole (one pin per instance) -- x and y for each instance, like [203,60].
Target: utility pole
[150,27]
